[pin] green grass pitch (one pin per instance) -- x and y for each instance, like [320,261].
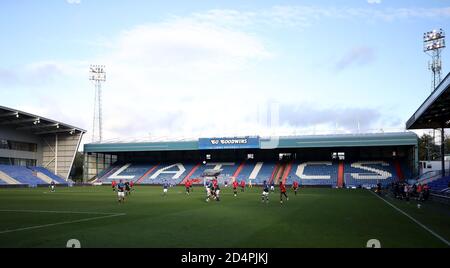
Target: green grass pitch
[314,218]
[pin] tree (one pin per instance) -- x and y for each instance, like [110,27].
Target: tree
[428,150]
[77,168]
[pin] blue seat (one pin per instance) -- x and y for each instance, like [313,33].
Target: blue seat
[24,175]
[380,172]
[50,174]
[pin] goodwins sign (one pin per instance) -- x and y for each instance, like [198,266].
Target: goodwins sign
[228,143]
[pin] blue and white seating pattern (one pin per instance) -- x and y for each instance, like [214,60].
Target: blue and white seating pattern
[306,173]
[440,184]
[314,173]
[24,175]
[369,173]
[49,174]
[256,172]
[172,173]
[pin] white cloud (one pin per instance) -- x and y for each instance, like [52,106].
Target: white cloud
[73,2]
[180,77]
[304,16]
[191,76]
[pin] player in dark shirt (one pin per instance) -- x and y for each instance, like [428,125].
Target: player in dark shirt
[217,192]
[127,188]
[121,191]
[265,193]
[165,188]
[211,193]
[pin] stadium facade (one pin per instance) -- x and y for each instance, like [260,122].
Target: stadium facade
[331,160]
[33,149]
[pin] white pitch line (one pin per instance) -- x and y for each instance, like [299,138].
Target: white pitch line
[414,220]
[60,223]
[57,211]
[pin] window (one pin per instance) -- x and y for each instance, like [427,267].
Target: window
[17,161]
[250,156]
[17,145]
[4,144]
[284,156]
[338,156]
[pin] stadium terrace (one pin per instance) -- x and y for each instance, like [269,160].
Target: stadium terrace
[352,160]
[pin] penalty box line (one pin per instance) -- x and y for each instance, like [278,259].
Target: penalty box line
[105,215]
[413,219]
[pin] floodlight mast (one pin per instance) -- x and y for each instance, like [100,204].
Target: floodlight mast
[433,44]
[98,75]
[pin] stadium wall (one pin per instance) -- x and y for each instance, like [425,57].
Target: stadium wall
[55,152]
[59,152]
[10,133]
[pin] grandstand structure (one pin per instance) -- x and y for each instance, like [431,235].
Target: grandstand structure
[35,150]
[434,113]
[351,160]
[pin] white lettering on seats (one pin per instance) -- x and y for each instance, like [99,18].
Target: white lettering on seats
[302,166]
[255,171]
[117,175]
[165,170]
[373,174]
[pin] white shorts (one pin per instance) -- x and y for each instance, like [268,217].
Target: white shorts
[217,192]
[121,194]
[53,186]
[272,188]
[165,190]
[265,193]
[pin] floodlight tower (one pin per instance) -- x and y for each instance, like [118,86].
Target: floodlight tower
[98,75]
[433,44]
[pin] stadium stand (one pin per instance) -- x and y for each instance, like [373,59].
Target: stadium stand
[257,172]
[369,173]
[440,184]
[170,172]
[318,173]
[49,174]
[323,173]
[32,176]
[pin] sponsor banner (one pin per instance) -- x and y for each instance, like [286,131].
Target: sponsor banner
[228,143]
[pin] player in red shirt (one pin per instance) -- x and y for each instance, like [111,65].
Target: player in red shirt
[420,191]
[235,186]
[283,192]
[242,185]
[295,186]
[113,184]
[187,184]
[132,185]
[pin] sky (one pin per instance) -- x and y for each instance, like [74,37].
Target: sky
[188,69]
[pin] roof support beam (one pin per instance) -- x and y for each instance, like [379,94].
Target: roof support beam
[35,120]
[16,114]
[37,126]
[70,131]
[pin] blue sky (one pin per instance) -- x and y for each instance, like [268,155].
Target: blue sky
[208,68]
